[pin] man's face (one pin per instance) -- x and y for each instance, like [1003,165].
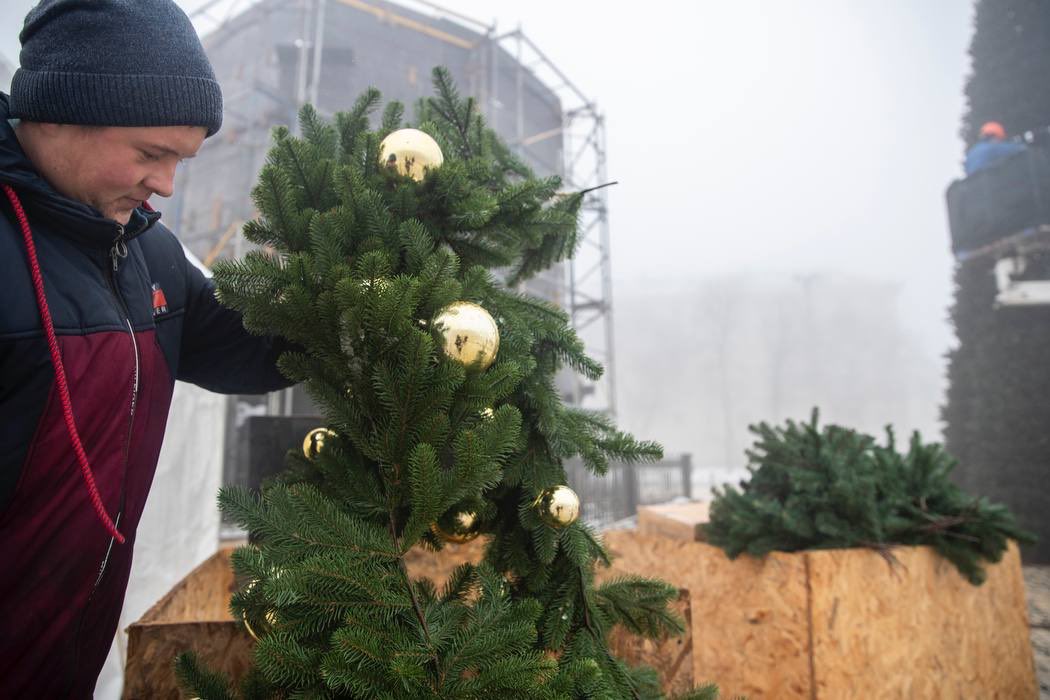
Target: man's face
[116,168]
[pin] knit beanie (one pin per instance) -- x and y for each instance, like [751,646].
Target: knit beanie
[114,63]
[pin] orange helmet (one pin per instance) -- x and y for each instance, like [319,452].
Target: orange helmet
[993,130]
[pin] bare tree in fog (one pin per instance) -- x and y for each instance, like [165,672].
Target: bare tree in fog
[751,349]
[719,303]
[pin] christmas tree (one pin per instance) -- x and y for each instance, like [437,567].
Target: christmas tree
[832,487]
[391,258]
[997,411]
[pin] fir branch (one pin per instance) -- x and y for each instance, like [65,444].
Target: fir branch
[831,487]
[407,582]
[353,124]
[392,116]
[200,682]
[453,110]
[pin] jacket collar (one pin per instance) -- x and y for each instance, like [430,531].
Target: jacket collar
[77,221]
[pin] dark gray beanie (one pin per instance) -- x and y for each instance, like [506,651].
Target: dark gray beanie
[114,63]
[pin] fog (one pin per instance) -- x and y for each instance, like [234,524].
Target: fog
[779,238]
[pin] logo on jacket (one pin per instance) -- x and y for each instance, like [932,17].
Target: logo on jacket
[160,302]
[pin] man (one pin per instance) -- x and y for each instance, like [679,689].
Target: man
[100,314]
[991,148]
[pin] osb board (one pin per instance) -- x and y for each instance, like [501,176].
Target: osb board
[679,521]
[192,616]
[749,631]
[671,657]
[203,594]
[917,629]
[152,649]
[438,566]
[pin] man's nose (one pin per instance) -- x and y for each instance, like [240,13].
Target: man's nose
[162,180]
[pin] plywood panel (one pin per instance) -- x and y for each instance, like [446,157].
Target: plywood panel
[749,621]
[913,630]
[679,521]
[917,629]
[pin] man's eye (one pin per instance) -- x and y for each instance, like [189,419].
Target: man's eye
[149,156]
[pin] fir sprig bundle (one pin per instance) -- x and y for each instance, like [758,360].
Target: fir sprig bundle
[830,487]
[356,260]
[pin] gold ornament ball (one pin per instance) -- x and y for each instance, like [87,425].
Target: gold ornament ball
[411,152]
[558,506]
[264,627]
[461,527]
[314,441]
[469,334]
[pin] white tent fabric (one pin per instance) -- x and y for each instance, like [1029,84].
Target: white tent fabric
[180,525]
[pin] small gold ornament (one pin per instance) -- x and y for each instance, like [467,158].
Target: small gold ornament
[457,529]
[469,334]
[411,152]
[487,413]
[314,441]
[558,506]
[265,627]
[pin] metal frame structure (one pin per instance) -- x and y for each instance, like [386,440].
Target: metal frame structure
[583,167]
[588,294]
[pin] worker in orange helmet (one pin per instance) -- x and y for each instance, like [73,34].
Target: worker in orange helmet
[991,148]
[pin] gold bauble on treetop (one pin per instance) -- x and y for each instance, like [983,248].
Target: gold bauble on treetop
[469,334]
[458,528]
[558,506]
[411,152]
[314,441]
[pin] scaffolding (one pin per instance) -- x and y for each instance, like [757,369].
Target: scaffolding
[583,167]
[585,288]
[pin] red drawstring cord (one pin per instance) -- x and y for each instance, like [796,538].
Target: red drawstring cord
[60,371]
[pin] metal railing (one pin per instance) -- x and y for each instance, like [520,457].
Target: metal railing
[617,494]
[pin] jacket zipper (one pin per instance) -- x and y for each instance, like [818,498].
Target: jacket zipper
[127,448]
[118,251]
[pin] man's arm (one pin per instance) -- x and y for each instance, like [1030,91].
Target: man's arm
[217,353]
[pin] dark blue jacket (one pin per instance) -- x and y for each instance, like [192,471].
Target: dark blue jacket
[62,577]
[985,154]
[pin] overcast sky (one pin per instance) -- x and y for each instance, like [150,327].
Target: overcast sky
[761,138]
